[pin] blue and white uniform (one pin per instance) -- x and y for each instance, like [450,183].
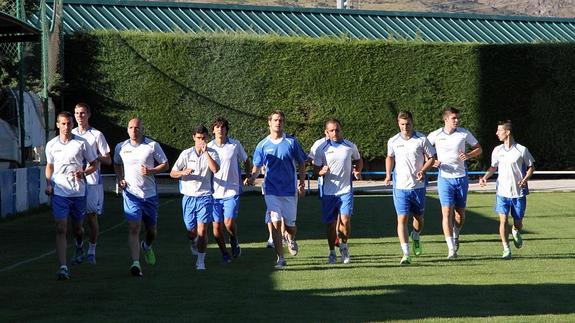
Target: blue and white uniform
[452,182]
[95,195]
[409,156]
[512,165]
[69,191]
[280,157]
[140,193]
[197,188]
[337,183]
[227,181]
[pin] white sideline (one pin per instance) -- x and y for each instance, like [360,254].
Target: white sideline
[53,251]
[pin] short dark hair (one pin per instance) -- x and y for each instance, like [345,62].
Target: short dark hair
[506,124]
[450,110]
[65,114]
[222,122]
[405,115]
[200,129]
[85,106]
[276,112]
[331,120]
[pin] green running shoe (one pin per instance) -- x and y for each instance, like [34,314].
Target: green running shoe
[149,255]
[517,240]
[506,254]
[417,249]
[405,260]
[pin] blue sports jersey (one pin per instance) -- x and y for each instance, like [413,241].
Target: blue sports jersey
[279,157]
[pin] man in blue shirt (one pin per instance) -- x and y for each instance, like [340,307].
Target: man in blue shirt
[280,153]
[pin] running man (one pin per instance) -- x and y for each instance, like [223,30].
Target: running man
[280,153]
[66,155]
[195,168]
[227,183]
[515,166]
[136,160]
[409,155]
[450,143]
[95,192]
[336,160]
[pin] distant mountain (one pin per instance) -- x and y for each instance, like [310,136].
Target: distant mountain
[543,8]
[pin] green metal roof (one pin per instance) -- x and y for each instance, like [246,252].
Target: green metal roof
[292,21]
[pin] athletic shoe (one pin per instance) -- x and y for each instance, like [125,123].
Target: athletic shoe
[236,250]
[149,255]
[136,270]
[456,244]
[200,266]
[285,240]
[405,260]
[270,243]
[293,248]
[226,259]
[194,247]
[63,274]
[78,256]
[344,252]
[281,263]
[91,259]
[506,254]
[331,259]
[417,250]
[517,240]
[452,255]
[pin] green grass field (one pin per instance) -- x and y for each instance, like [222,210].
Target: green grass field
[537,285]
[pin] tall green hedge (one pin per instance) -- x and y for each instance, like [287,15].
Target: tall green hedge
[175,81]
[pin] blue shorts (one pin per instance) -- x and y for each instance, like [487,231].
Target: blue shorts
[452,191]
[409,202]
[197,209]
[332,205]
[138,209]
[226,208]
[516,205]
[75,207]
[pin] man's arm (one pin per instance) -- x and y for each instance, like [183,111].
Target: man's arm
[301,172]
[105,159]
[475,151]
[251,177]
[389,163]
[357,168]
[483,179]
[119,170]
[528,174]
[426,166]
[48,174]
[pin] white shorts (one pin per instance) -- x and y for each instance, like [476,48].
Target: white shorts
[95,199]
[279,207]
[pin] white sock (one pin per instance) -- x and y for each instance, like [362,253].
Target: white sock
[505,246]
[405,249]
[456,230]
[514,231]
[136,262]
[342,245]
[92,249]
[64,267]
[450,244]
[414,235]
[201,257]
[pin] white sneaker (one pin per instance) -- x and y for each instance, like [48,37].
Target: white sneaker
[270,244]
[293,247]
[452,254]
[281,263]
[344,255]
[200,266]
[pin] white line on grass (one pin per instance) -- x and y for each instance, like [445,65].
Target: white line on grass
[51,252]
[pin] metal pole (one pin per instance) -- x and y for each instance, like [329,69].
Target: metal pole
[44,45]
[20,14]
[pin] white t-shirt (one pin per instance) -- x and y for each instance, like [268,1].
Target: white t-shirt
[227,181]
[338,157]
[98,142]
[448,148]
[68,158]
[409,157]
[148,153]
[199,183]
[314,147]
[512,166]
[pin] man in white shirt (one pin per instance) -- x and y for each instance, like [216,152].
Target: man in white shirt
[337,160]
[95,192]
[227,183]
[195,168]
[515,165]
[409,155]
[66,155]
[451,143]
[136,160]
